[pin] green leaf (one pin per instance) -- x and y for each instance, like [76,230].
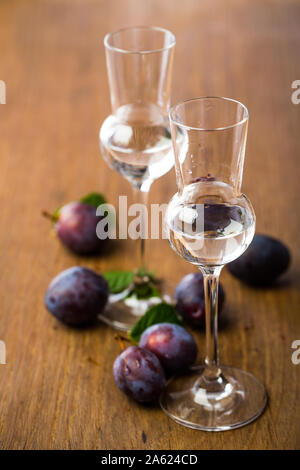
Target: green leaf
[142,272]
[160,313]
[94,199]
[145,290]
[118,281]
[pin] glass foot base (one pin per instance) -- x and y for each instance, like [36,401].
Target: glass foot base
[122,313]
[232,401]
[121,316]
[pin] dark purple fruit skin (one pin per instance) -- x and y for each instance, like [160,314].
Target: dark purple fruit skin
[263,262]
[139,374]
[203,178]
[172,344]
[77,295]
[217,216]
[76,228]
[190,302]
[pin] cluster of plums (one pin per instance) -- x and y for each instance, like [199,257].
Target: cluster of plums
[78,295]
[164,349]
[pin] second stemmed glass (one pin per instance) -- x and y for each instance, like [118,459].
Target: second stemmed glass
[135,139]
[210,223]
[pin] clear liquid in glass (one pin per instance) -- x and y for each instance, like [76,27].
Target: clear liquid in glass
[207,227]
[136,142]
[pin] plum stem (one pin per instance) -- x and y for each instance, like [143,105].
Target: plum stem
[48,216]
[121,340]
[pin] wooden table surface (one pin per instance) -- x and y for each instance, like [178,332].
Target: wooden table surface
[57,389]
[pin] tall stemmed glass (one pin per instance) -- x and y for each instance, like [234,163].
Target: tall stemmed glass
[210,223]
[135,139]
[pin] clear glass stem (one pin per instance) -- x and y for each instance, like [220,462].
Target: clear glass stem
[211,286]
[141,197]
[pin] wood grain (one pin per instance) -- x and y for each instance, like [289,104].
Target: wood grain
[57,390]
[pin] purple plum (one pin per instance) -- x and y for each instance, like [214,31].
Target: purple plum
[190,302]
[77,295]
[174,346]
[139,374]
